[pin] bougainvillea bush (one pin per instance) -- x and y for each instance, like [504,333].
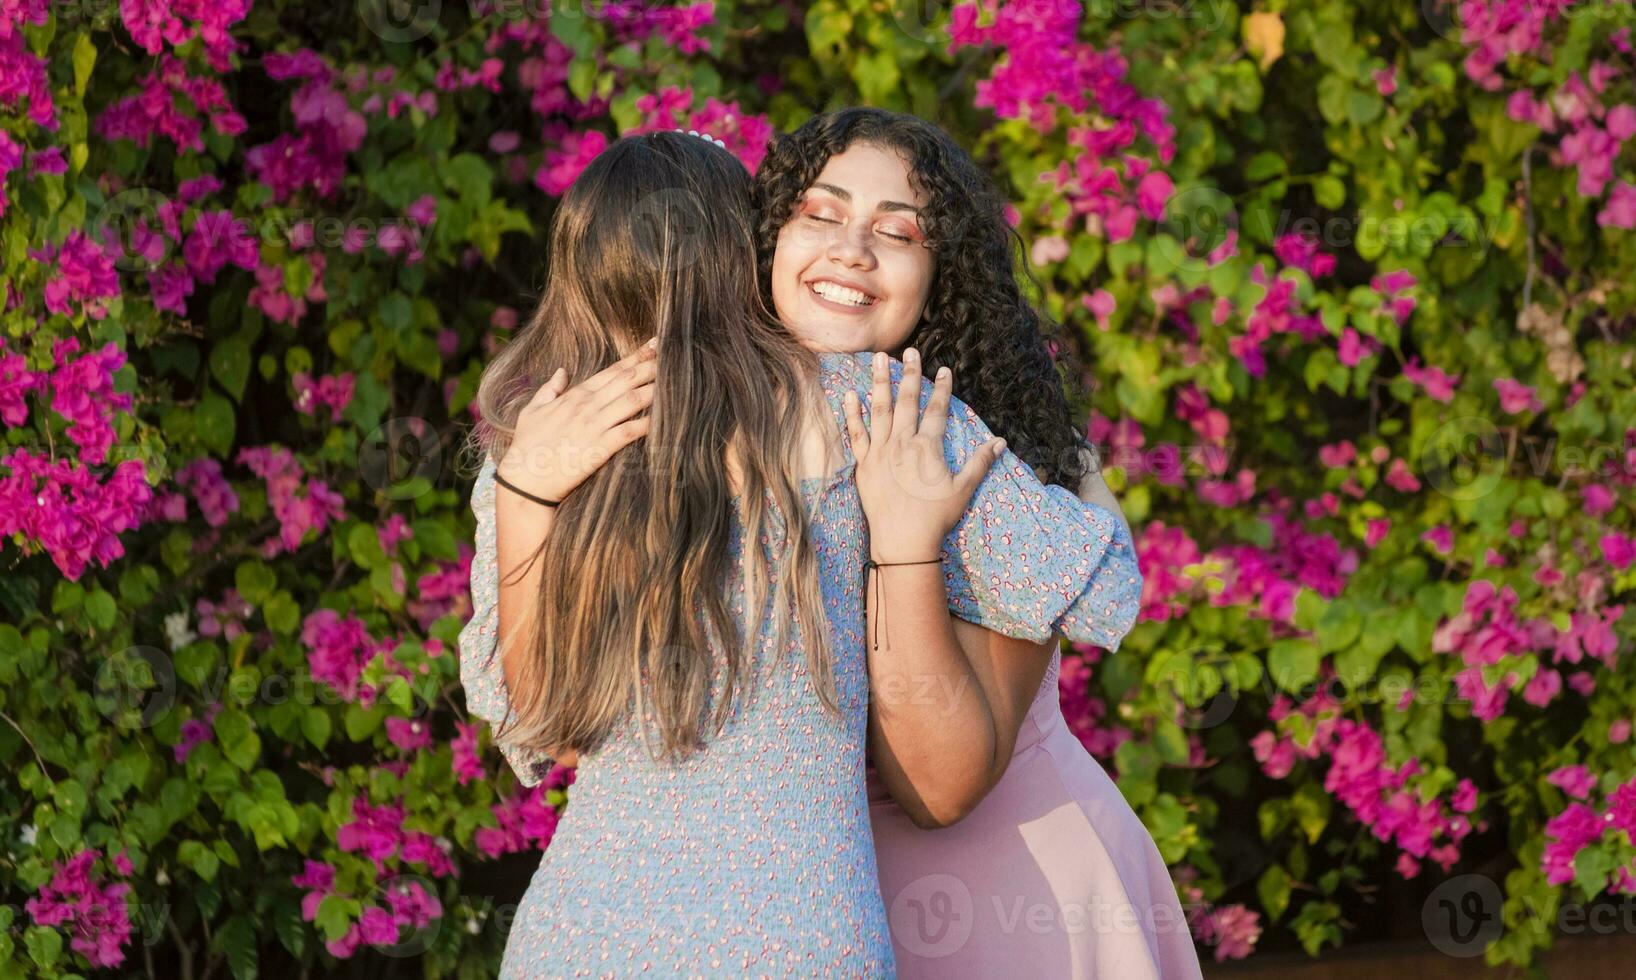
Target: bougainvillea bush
[1352,282]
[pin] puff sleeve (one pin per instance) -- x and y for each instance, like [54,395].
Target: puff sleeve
[1026,560]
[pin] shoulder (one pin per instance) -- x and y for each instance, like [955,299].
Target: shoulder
[1092,480]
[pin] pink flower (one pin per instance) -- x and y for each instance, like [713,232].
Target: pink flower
[1542,688]
[1231,929]
[1438,384]
[467,765]
[1598,499]
[1576,781]
[1376,530]
[408,734]
[1440,538]
[95,914]
[564,164]
[1618,550]
[1620,209]
[1516,397]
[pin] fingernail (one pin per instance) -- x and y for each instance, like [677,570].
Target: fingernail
[653,341]
[942,373]
[911,356]
[999,447]
[880,358]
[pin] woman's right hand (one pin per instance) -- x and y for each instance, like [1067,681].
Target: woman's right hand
[563,436]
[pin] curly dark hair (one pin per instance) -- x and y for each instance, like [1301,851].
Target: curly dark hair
[977,321]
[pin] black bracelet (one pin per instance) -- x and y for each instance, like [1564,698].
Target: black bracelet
[880,587]
[523,493]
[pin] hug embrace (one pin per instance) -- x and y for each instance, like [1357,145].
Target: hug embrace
[782,515]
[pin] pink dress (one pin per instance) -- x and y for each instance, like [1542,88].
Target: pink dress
[1052,875]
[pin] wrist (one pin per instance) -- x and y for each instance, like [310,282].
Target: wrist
[529,480]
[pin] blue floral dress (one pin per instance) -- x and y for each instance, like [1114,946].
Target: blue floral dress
[755,855]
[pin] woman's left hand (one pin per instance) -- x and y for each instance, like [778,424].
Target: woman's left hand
[909,496]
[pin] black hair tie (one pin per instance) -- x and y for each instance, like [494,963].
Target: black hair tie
[524,493]
[880,587]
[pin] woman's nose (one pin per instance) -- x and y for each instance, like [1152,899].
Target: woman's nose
[851,246]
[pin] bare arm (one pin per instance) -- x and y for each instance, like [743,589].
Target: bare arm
[948,697]
[562,436]
[521,525]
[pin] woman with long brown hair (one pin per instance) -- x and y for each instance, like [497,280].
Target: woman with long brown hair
[687,614]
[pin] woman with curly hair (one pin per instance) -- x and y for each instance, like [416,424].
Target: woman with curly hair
[1002,846]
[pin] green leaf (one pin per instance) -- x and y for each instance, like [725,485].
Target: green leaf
[1329,191]
[1293,663]
[44,945]
[315,724]
[238,741]
[101,609]
[85,59]
[396,312]
[238,940]
[1273,888]
[214,422]
[230,364]
[255,580]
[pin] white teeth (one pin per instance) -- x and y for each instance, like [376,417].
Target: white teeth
[836,293]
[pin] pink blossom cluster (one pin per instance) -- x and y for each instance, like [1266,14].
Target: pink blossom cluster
[1487,631]
[377,832]
[678,27]
[331,391]
[327,129]
[271,295]
[1497,28]
[62,507]
[468,764]
[297,512]
[11,157]
[155,23]
[195,731]
[1277,311]
[407,904]
[204,480]
[338,650]
[526,820]
[1385,798]
[82,393]
[22,73]
[1087,715]
[1045,67]
[1231,929]
[393,530]
[93,910]
[174,105]
[444,591]
[83,275]
[1592,132]
[1581,825]
[543,72]
[225,617]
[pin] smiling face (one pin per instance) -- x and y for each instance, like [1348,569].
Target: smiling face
[852,270]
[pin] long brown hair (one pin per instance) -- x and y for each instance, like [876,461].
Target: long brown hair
[655,238]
